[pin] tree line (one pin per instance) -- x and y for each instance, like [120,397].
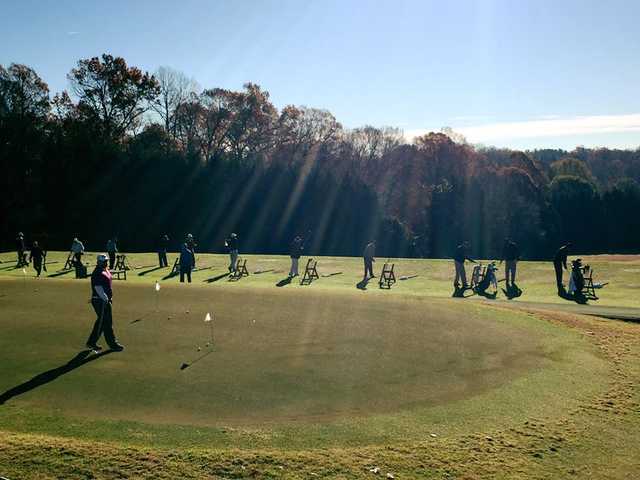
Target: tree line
[135,155]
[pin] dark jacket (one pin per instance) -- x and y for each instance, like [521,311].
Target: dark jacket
[102,278]
[187,256]
[461,254]
[561,256]
[20,244]
[36,253]
[511,252]
[232,243]
[163,244]
[296,248]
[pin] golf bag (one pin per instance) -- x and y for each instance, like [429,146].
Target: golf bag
[486,279]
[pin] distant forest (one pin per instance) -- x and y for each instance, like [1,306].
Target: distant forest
[129,154]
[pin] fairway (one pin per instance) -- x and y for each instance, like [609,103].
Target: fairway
[297,369]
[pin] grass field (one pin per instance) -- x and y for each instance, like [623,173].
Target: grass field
[319,381]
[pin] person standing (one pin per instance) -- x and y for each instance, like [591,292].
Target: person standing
[510,255]
[77,249]
[459,258]
[560,263]
[369,254]
[295,251]
[163,245]
[232,245]
[36,255]
[187,259]
[101,301]
[112,248]
[20,250]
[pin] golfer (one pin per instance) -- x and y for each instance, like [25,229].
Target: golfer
[295,252]
[77,248]
[163,245]
[36,255]
[111,251]
[232,245]
[459,258]
[560,263]
[20,249]
[187,259]
[510,255]
[368,255]
[101,300]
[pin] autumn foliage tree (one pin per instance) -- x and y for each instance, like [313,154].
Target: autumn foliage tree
[111,94]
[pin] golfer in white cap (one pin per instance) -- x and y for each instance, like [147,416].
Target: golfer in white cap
[101,299]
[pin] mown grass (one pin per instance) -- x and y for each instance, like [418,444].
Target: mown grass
[542,412]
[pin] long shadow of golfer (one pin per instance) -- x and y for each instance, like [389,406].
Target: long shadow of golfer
[216,278]
[149,271]
[284,282]
[77,361]
[58,274]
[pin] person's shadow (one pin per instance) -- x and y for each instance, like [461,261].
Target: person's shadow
[284,282]
[77,361]
[149,271]
[577,297]
[362,284]
[459,292]
[216,278]
[512,291]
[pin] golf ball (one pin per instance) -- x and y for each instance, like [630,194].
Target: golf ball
[199,349]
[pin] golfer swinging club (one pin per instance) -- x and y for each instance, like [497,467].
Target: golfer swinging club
[101,296]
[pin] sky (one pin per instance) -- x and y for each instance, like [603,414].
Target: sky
[510,73]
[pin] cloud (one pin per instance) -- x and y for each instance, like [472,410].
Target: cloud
[72,33]
[551,126]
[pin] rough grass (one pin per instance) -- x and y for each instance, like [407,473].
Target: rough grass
[509,395]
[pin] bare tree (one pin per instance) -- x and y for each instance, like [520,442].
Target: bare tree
[175,89]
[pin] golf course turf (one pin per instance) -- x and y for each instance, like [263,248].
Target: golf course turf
[326,380]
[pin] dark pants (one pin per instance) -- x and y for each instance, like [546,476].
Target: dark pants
[112,259]
[368,267]
[558,268]
[77,262]
[185,270]
[103,325]
[21,258]
[37,264]
[162,259]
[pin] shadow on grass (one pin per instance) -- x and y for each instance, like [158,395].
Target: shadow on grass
[59,274]
[77,361]
[362,284]
[216,278]
[327,275]
[512,291]
[577,297]
[149,271]
[258,272]
[284,282]
[459,292]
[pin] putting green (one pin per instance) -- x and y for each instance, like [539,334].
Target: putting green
[287,367]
